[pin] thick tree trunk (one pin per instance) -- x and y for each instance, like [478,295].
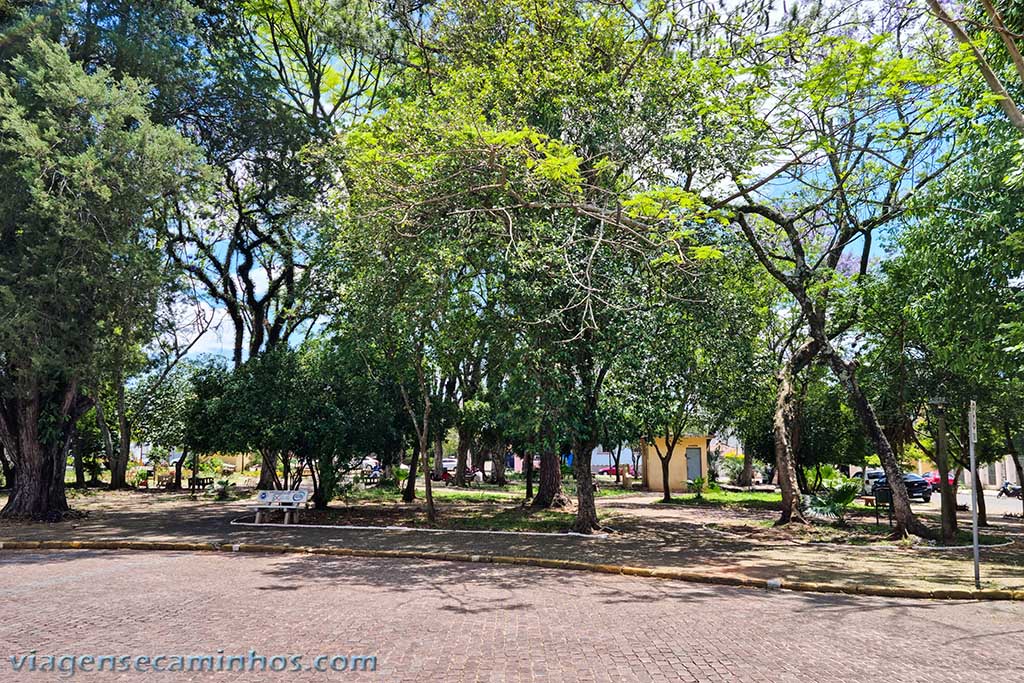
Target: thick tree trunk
[409,492]
[498,467]
[746,477]
[38,490]
[946,492]
[586,509]
[666,495]
[462,456]
[549,493]
[906,520]
[785,457]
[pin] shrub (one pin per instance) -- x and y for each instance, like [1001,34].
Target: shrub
[698,487]
[835,499]
[733,468]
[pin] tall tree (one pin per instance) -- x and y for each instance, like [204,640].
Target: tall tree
[89,176]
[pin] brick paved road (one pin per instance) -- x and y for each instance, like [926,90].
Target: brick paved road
[429,621]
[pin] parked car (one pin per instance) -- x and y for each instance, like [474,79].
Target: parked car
[449,464]
[917,487]
[610,470]
[872,477]
[933,478]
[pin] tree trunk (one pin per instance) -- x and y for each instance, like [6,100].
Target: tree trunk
[76,452]
[268,471]
[785,458]
[549,493]
[38,490]
[119,468]
[498,467]
[746,477]
[946,492]
[429,495]
[906,520]
[409,492]
[178,467]
[586,509]
[478,457]
[528,473]
[462,456]
[438,455]
[666,495]
[976,482]
[617,456]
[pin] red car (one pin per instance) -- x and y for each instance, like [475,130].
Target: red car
[933,478]
[610,470]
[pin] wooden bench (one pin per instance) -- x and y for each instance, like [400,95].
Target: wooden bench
[201,482]
[289,501]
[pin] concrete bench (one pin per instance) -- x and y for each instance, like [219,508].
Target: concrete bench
[289,501]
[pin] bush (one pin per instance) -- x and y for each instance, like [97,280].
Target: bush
[212,466]
[836,498]
[698,487]
[732,467]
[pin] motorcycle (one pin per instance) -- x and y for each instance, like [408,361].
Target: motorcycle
[1009,490]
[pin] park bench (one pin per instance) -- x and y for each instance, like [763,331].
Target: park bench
[200,482]
[289,501]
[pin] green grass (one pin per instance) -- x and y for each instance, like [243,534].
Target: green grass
[441,494]
[758,500]
[513,519]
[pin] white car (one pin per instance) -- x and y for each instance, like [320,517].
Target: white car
[873,476]
[449,464]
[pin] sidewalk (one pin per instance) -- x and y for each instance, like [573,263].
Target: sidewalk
[648,537]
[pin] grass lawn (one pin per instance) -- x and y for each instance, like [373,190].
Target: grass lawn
[758,500]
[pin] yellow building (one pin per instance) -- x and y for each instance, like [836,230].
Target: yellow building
[689,461]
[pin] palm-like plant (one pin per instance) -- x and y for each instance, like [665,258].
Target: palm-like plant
[834,500]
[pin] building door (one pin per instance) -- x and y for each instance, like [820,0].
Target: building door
[692,463]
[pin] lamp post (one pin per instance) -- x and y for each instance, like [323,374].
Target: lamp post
[972,422]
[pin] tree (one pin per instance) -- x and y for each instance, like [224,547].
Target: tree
[159,407]
[873,128]
[88,176]
[691,345]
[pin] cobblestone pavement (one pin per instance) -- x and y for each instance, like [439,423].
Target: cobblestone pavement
[430,621]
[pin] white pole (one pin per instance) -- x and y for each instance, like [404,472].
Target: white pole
[972,438]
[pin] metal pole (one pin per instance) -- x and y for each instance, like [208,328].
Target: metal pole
[972,438]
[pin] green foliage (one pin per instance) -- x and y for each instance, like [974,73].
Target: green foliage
[87,174]
[835,499]
[698,485]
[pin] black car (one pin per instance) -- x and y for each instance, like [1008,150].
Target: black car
[917,487]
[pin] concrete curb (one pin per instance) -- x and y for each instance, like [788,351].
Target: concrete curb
[625,570]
